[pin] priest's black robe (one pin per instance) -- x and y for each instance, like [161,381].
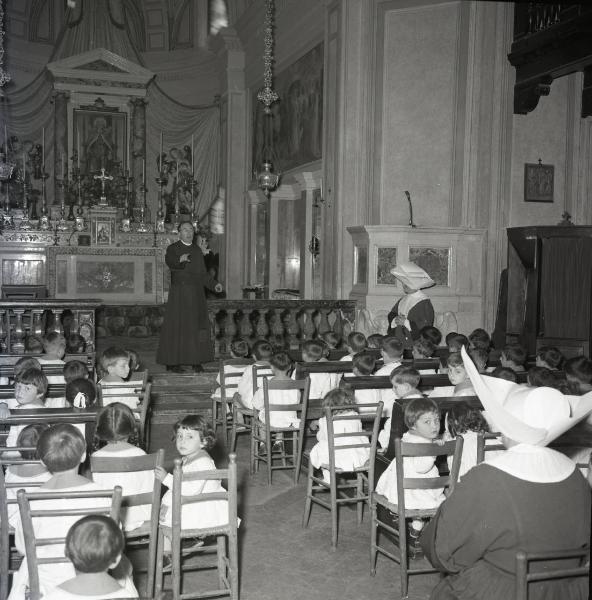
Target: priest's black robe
[185,332]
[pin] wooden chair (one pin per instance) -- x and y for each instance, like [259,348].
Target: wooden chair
[344,490]
[32,542]
[137,389]
[7,552]
[222,406]
[398,528]
[260,373]
[264,436]
[483,446]
[226,546]
[147,533]
[524,576]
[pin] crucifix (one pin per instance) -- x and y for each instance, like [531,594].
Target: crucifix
[102,177]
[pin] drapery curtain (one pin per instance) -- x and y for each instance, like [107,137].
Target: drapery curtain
[566,280]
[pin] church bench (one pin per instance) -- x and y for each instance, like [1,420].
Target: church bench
[54,390]
[53,416]
[303,369]
[7,362]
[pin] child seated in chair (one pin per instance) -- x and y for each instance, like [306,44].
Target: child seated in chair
[116,425]
[455,341]
[422,417]
[578,372]
[320,383]
[550,357]
[404,380]
[363,364]
[374,341]
[331,339]
[348,459]
[422,349]
[356,342]
[115,364]
[94,545]
[238,349]
[431,333]
[281,365]
[261,352]
[134,364]
[62,450]
[27,473]
[54,348]
[193,438]
[391,351]
[29,393]
[75,344]
[513,356]
[458,377]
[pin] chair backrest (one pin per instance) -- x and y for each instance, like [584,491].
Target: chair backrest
[405,449]
[5,503]
[229,380]
[260,374]
[365,439]
[303,369]
[32,542]
[579,557]
[54,390]
[300,407]
[180,499]
[483,446]
[136,390]
[134,464]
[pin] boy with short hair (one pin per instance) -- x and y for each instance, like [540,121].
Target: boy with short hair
[514,357]
[405,380]
[320,383]
[115,365]
[356,342]
[261,352]
[392,353]
[363,364]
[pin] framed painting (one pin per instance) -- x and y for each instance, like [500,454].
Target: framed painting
[386,260]
[538,182]
[102,232]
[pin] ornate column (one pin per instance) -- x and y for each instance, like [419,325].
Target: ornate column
[60,104]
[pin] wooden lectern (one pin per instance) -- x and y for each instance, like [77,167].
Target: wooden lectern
[550,288]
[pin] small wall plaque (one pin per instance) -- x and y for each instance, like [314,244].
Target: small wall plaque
[538,182]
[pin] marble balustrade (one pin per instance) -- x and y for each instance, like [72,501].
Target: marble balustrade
[21,318]
[285,322]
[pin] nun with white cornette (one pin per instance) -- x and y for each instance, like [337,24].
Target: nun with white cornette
[529,498]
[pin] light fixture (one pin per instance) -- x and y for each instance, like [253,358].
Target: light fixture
[4,76]
[266,178]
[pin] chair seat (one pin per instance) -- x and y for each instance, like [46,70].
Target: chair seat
[361,469]
[205,532]
[409,512]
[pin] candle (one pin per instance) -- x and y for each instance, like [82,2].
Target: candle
[144,171]
[160,155]
[43,149]
[63,170]
[24,167]
[78,149]
[192,161]
[128,156]
[5,143]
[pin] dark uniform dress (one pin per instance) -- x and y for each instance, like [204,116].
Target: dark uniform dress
[185,332]
[474,537]
[419,316]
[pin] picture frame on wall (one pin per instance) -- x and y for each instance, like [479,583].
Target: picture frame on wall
[538,182]
[102,233]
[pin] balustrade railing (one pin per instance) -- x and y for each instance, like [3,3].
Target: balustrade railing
[20,319]
[284,323]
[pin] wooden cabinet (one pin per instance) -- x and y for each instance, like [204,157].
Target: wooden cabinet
[550,288]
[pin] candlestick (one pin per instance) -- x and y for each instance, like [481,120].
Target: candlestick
[43,148]
[192,161]
[5,143]
[160,155]
[78,149]
[24,167]
[128,156]
[144,171]
[63,170]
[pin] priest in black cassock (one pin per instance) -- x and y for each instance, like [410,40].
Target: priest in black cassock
[185,332]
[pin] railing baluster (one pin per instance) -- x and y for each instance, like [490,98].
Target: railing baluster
[229,328]
[18,340]
[262,329]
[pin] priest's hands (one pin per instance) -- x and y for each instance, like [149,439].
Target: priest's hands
[185,258]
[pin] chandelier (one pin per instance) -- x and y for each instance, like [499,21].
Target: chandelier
[266,178]
[4,76]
